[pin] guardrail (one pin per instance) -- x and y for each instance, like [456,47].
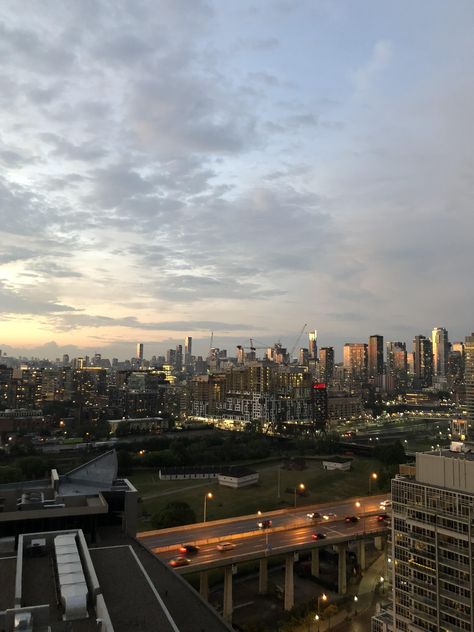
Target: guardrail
[267,514]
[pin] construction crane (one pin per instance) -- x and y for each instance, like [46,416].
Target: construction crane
[297,341]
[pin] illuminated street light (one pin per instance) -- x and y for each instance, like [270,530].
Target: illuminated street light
[206,497]
[301,488]
[316,619]
[322,597]
[356,599]
[372,477]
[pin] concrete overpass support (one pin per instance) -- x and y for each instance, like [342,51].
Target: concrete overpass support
[204,584]
[227,606]
[289,582]
[342,570]
[263,577]
[315,562]
[379,542]
[361,554]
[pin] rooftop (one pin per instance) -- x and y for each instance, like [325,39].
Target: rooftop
[131,588]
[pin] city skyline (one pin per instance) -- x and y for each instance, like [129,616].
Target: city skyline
[171,169]
[201,347]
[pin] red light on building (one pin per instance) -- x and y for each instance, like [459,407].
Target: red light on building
[319,385]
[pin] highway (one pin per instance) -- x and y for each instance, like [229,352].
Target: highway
[291,531]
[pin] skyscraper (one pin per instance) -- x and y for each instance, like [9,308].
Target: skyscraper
[469,377]
[397,367]
[439,340]
[313,344]
[188,351]
[326,364]
[355,362]
[140,351]
[423,360]
[179,357]
[375,356]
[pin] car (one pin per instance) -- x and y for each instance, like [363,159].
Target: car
[318,536]
[329,515]
[382,516]
[179,560]
[350,519]
[264,524]
[385,503]
[313,515]
[190,549]
[225,546]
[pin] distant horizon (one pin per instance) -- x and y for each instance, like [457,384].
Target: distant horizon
[200,346]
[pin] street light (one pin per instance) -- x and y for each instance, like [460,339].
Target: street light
[358,505]
[316,619]
[372,477]
[322,597]
[301,488]
[356,599]
[382,583]
[207,496]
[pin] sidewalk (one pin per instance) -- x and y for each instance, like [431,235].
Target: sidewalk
[365,594]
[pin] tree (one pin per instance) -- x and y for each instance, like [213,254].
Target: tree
[125,462]
[392,454]
[174,514]
[33,466]
[10,474]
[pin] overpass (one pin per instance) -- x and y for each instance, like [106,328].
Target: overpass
[290,534]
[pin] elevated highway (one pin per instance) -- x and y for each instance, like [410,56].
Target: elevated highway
[290,534]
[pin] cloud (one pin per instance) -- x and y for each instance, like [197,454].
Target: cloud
[73,321]
[13,302]
[364,76]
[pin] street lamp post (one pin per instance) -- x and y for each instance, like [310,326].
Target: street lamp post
[316,620]
[360,506]
[324,598]
[206,497]
[301,488]
[356,599]
[372,477]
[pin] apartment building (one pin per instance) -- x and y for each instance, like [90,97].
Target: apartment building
[431,560]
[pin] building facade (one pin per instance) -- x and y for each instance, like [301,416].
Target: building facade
[431,552]
[439,340]
[375,358]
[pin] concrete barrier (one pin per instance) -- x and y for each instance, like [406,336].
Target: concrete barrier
[267,514]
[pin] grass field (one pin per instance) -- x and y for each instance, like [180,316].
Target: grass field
[320,486]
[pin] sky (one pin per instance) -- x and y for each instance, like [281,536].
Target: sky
[182,167]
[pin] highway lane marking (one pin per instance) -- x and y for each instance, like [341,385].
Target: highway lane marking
[244,605]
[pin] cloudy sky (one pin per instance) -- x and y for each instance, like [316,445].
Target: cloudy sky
[176,167]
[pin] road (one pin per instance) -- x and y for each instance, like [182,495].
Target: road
[291,530]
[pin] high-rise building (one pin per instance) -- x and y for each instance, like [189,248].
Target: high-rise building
[430,560]
[456,363]
[397,366]
[313,344]
[179,357]
[326,364]
[303,357]
[423,362]
[355,362]
[140,351]
[439,340]
[469,378]
[375,363]
[188,351]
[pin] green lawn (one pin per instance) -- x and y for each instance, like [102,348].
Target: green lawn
[321,486]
